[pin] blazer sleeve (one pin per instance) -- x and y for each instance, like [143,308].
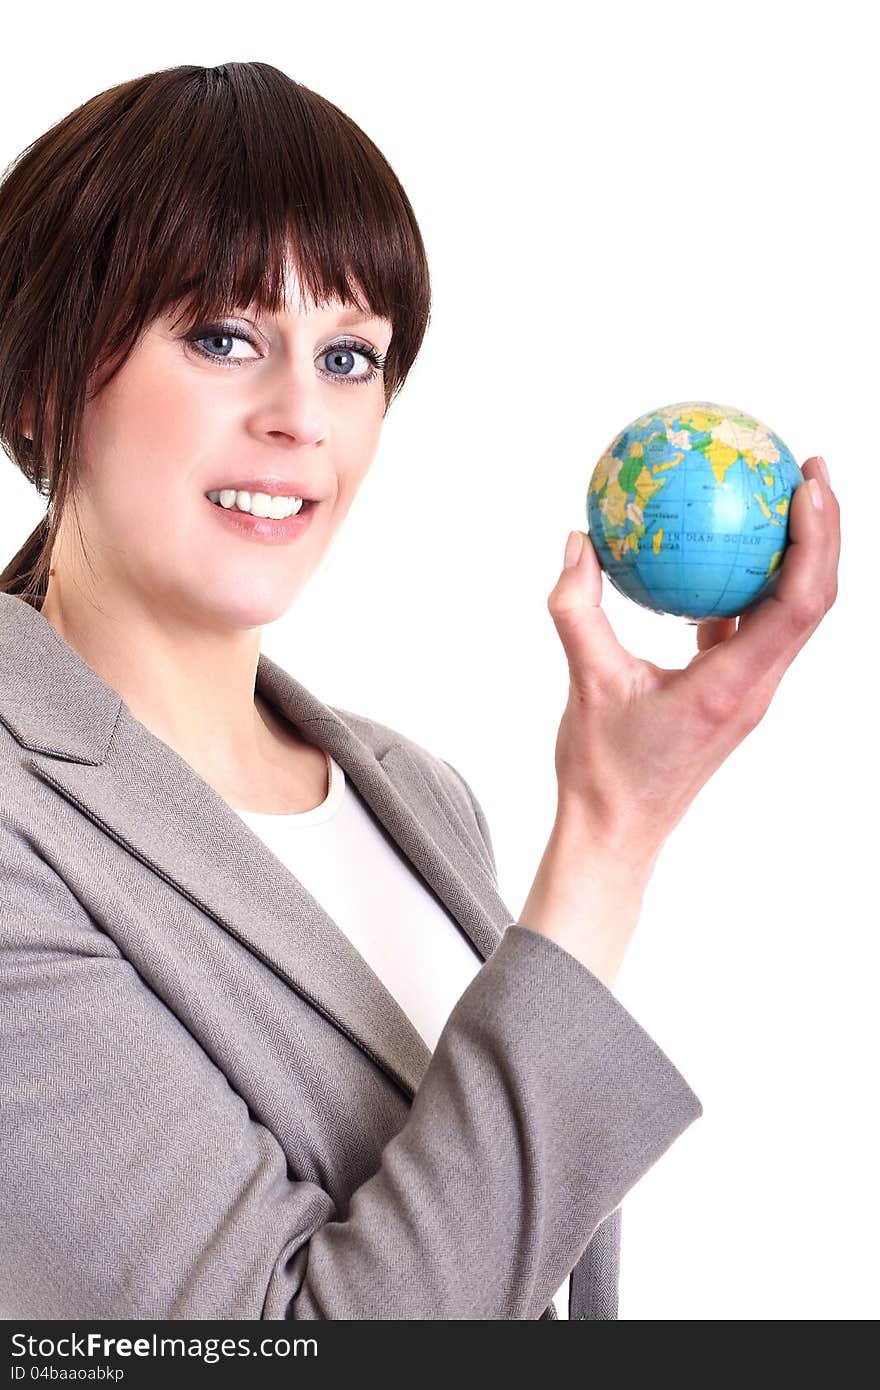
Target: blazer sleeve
[138,1184]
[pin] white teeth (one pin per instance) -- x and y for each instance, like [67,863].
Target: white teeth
[257,503]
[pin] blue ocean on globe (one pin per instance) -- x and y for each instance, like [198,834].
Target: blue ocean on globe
[688,510]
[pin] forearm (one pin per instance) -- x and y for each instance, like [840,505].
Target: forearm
[588,897]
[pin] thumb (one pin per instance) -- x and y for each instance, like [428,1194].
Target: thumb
[575,605]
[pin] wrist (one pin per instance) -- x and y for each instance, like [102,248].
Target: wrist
[625,855]
[587,896]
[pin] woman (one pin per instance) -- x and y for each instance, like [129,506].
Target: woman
[272,1044]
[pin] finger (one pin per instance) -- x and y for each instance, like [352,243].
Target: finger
[711,631]
[770,635]
[831,550]
[594,653]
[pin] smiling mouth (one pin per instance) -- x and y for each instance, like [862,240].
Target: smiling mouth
[267,529]
[286,512]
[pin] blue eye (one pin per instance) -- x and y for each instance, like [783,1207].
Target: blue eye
[347,347]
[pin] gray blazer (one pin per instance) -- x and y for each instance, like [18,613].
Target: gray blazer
[211,1105]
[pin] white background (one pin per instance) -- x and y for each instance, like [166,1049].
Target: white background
[624,206]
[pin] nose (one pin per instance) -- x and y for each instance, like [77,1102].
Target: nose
[294,403]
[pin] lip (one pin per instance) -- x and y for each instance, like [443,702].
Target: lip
[271,483]
[265,528]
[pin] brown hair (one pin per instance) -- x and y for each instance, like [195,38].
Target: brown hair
[189,185]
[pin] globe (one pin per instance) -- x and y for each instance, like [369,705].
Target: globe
[688,510]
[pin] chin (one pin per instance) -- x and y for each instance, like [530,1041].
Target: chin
[230,612]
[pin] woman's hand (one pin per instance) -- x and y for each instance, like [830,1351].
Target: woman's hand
[637,742]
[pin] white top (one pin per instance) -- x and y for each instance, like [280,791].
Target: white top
[347,860]
[350,864]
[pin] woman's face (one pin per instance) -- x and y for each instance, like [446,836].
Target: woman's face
[295,397]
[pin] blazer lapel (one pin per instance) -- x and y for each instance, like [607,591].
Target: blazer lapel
[85,743]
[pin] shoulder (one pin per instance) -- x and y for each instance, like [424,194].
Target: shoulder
[380,738]
[443,775]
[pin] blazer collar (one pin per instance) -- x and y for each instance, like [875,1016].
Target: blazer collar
[84,742]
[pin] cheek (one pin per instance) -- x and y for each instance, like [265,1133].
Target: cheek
[355,449]
[141,439]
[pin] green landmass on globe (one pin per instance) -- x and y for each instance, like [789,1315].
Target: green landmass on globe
[688,510]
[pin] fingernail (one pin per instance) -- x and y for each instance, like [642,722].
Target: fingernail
[573,548]
[816,497]
[824,467]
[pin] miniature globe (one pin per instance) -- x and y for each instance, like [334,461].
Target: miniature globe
[688,510]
